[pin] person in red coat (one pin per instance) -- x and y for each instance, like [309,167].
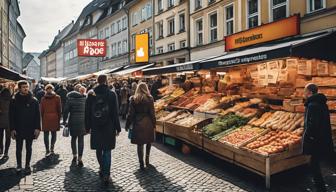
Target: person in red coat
[51,110]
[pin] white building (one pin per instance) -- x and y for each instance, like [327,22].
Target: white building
[31,65]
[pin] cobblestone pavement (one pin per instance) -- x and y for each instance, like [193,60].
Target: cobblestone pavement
[171,171]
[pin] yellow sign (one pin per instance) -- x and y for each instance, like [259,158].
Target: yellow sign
[268,32]
[141,48]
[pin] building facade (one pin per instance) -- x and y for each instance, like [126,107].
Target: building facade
[114,28]
[212,20]
[171,32]
[31,65]
[140,14]
[51,63]
[4,33]
[43,64]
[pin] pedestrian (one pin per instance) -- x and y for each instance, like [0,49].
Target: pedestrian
[5,98]
[51,109]
[24,123]
[155,88]
[317,138]
[82,90]
[75,109]
[62,92]
[141,116]
[102,120]
[133,89]
[124,97]
[40,93]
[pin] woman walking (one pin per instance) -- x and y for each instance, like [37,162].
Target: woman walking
[141,116]
[124,98]
[5,97]
[75,107]
[51,115]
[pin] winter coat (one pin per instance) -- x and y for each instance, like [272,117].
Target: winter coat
[317,138]
[142,118]
[24,115]
[4,109]
[155,89]
[39,94]
[75,107]
[63,94]
[103,137]
[51,112]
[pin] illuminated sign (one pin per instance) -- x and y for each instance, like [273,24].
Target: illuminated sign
[141,48]
[268,32]
[91,48]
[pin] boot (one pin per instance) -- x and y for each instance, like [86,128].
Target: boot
[140,156]
[147,160]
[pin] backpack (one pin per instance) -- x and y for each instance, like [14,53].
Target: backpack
[101,110]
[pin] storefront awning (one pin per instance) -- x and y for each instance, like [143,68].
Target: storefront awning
[53,79]
[131,69]
[319,47]
[11,75]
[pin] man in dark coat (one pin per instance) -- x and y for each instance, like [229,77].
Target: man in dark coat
[62,92]
[317,138]
[101,118]
[24,123]
[75,107]
[155,88]
[40,93]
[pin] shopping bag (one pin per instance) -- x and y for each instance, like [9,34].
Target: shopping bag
[66,132]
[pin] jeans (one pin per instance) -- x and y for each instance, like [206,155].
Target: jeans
[7,142]
[46,140]
[316,173]
[80,145]
[19,145]
[104,160]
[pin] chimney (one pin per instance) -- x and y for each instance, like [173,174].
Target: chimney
[59,31]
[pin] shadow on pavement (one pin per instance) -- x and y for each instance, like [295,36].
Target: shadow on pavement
[85,179]
[152,180]
[46,163]
[9,179]
[3,160]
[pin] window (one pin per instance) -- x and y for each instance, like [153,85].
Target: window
[315,5]
[101,34]
[159,50]
[183,44]
[143,14]
[182,22]
[170,3]
[171,27]
[229,19]
[211,1]
[252,13]
[114,50]
[149,10]
[278,9]
[119,48]
[199,32]
[124,23]
[108,52]
[124,46]
[107,32]
[134,19]
[112,29]
[213,27]
[118,26]
[133,42]
[171,47]
[160,29]
[198,4]
[160,6]
[150,35]
[181,60]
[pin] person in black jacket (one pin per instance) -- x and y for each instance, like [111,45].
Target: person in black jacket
[317,137]
[155,88]
[75,109]
[62,92]
[24,123]
[5,98]
[102,120]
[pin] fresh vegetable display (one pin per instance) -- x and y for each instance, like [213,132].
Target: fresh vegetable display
[241,135]
[223,123]
[285,121]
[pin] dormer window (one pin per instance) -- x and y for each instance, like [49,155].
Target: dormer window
[88,20]
[109,11]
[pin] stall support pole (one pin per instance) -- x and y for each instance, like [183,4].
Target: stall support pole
[170,79]
[268,173]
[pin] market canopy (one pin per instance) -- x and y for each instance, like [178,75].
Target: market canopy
[179,67]
[53,79]
[319,47]
[8,74]
[131,69]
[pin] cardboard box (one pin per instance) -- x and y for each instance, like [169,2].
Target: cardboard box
[324,81]
[302,82]
[331,104]
[287,106]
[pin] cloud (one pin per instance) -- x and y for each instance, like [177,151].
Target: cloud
[41,20]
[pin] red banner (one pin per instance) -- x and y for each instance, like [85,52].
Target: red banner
[91,48]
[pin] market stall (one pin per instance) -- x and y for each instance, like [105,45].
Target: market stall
[246,107]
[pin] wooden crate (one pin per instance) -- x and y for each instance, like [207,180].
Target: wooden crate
[170,129]
[159,128]
[218,149]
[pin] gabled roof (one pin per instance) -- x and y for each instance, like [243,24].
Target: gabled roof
[60,36]
[21,28]
[28,57]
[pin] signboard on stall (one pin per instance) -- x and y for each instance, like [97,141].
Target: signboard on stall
[264,33]
[91,48]
[142,48]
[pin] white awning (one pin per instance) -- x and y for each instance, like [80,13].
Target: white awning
[131,69]
[53,79]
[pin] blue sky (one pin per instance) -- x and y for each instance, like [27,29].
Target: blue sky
[41,20]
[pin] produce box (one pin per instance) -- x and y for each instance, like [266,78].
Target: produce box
[159,128]
[324,81]
[218,149]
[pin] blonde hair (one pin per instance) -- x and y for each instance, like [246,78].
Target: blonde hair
[49,86]
[141,93]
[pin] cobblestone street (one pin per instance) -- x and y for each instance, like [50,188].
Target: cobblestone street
[171,171]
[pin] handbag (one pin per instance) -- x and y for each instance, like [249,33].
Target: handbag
[66,132]
[130,133]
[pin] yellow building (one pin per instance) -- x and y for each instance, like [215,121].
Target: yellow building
[140,17]
[212,20]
